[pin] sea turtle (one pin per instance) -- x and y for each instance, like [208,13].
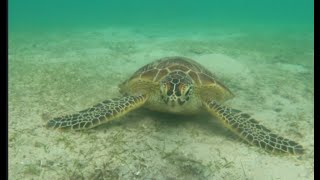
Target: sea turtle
[182,86]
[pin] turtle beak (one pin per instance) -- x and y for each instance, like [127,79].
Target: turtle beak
[166,99]
[181,102]
[172,103]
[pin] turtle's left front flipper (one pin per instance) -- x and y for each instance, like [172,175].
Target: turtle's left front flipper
[98,114]
[251,131]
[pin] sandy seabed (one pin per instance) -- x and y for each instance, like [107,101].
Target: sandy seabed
[56,73]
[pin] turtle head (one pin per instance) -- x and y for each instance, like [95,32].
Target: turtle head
[176,88]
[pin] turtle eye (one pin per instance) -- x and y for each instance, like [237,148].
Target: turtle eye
[188,91]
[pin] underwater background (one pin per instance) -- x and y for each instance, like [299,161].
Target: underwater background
[44,15]
[65,56]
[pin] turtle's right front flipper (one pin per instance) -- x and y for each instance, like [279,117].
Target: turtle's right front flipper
[251,131]
[98,114]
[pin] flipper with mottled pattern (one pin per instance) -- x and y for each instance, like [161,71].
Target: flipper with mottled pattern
[251,131]
[97,114]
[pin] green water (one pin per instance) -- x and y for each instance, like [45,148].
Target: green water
[36,14]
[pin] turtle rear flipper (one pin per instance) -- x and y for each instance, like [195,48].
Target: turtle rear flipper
[251,131]
[97,114]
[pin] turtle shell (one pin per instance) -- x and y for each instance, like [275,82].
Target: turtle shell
[202,78]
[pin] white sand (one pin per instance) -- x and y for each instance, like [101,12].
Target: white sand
[62,73]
